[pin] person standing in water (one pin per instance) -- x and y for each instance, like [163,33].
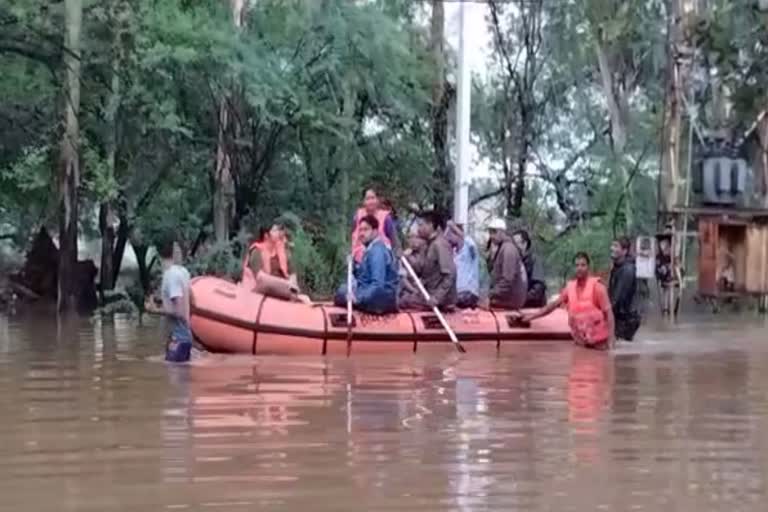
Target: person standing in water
[622,288]
[589,309]
[174,292]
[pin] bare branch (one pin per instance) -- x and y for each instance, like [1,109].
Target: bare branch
[488,195]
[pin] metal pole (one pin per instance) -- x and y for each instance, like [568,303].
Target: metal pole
[464,89]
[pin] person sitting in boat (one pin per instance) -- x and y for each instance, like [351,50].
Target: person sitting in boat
[509,283]
[376,277]
[589,308]
[437,270]
[414,253]
[267,266]
[537,287]
[467,262]
[387,230]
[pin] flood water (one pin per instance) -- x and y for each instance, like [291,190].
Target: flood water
[92,420]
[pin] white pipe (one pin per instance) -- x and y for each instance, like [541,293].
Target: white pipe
[464,89]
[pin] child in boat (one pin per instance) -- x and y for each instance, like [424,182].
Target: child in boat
[376,277]
[589,309]
[174,292]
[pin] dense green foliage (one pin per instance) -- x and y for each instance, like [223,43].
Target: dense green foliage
[324,97]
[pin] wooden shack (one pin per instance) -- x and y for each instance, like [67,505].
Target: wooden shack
[733,253]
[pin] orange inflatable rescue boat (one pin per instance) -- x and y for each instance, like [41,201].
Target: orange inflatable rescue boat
[229,318]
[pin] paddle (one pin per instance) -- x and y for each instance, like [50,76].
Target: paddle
[427,298]
[349,304]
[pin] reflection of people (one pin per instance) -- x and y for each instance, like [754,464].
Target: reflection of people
[589,308]
[174,292]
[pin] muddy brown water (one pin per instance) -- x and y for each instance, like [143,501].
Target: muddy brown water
[92,420]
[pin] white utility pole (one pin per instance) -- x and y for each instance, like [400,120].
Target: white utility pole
[464,88]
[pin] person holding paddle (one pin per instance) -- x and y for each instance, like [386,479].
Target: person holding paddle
[437,269]
[374,288]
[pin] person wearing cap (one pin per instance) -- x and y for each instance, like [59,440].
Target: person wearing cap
[509,283]
[537,287]
[467,261]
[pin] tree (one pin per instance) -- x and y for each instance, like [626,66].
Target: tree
[69,164]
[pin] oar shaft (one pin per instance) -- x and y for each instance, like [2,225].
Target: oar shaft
[349,291]
[435,309]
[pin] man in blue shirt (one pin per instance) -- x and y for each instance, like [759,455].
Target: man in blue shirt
[375,277]
[467,262]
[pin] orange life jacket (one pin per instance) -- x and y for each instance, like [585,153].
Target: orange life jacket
[587,321]
[358,249]
[268,251]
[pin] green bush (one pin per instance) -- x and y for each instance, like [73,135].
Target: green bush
[220,260]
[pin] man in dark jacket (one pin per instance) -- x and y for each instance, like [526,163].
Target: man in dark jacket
[622,288]
[436,269]
[509,283]
[537,287]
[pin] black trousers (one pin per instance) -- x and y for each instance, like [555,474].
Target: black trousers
[466,300]
[627,325]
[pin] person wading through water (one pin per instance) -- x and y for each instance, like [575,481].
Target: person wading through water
[387,230]
[509,283]
[267,267]
[174,293]
[537,287]
[436,269]
[622,287]
[467,262]
[589,309]
[375,283]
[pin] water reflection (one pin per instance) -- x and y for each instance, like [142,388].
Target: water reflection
[93,420]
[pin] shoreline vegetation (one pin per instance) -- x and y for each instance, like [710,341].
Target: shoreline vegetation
[122,120]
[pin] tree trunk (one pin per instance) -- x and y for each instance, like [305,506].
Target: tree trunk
[123,230]
[69,165]
[223,184]
[762,137]
[118,16]
[224,205]
[617,116]
[672,132]
[440,107]
[107,268]
[618,112]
